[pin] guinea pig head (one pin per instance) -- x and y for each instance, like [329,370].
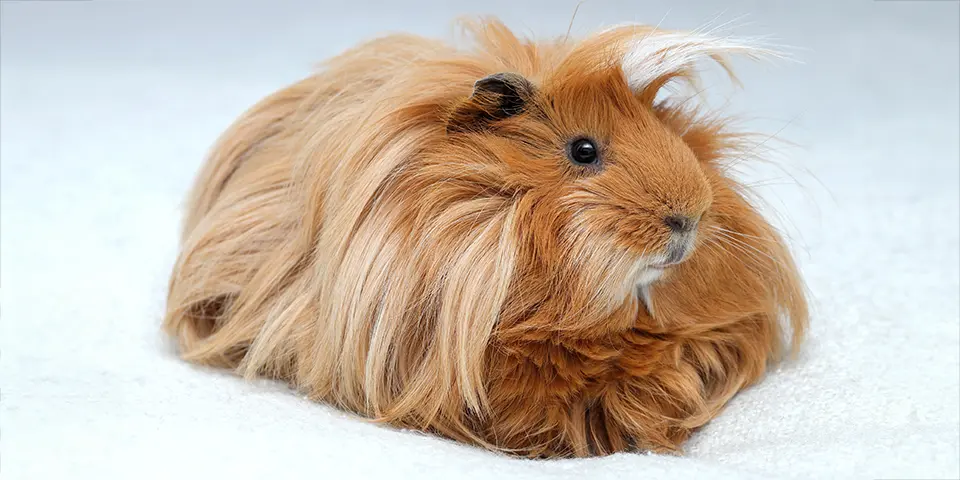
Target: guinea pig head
[609,197]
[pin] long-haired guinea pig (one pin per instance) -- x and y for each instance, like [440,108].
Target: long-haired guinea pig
[523,245]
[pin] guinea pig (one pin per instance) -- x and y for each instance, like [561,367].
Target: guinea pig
[530,246]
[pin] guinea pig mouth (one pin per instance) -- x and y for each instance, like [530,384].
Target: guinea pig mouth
[661,265]
[679,248]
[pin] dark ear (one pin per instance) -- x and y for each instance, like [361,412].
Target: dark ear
[494,97]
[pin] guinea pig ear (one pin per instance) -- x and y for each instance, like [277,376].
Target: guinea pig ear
[495,97]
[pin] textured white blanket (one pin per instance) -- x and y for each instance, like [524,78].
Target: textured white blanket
[108,108]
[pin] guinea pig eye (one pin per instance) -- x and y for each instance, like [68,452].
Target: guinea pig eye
[583,152]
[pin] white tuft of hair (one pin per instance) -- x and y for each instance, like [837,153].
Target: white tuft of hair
[657,54]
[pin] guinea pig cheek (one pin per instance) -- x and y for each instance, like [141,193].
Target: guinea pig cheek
[643,235]
[597,253]
[640,240]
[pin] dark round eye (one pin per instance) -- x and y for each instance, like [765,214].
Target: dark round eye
[583,152]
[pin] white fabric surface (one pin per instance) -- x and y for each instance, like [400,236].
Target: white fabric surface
[108,108]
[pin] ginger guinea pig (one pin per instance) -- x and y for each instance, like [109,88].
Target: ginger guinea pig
[519,245]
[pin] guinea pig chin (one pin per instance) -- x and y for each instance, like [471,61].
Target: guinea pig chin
[678,249]
[652,267]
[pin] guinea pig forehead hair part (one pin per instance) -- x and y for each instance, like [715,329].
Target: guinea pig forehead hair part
[650,57]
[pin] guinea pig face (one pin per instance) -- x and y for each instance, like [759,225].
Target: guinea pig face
[612,197]
[643,188]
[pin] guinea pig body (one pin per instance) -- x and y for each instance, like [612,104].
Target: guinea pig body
[513,246]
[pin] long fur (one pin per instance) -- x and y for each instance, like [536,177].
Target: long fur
[475,284]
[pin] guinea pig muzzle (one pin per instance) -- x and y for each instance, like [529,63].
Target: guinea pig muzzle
[679,247]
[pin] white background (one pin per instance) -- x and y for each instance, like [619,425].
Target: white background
[108,108]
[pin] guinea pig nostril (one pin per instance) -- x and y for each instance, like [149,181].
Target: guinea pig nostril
[680,223]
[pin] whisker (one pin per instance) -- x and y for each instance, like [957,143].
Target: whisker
[740,234]
[749,152]
[742,246]
[741,250]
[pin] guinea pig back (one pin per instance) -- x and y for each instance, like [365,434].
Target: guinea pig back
[521,245]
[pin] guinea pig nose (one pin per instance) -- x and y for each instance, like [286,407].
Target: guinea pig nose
[680,223]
